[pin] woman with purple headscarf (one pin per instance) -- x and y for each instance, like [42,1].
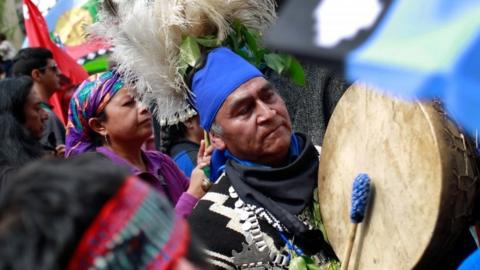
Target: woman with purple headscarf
[105,117]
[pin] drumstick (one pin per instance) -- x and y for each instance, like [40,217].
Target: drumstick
[206,140]
[360,195]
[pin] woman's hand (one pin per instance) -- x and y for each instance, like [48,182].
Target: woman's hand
[60,151]
[199,182]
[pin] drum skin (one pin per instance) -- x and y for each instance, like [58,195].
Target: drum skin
[422,173]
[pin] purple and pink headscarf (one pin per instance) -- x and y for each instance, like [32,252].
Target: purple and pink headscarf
[88,101]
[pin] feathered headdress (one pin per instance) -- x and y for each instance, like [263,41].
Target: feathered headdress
[158,42]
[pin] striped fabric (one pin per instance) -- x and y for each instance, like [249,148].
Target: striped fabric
[136,229]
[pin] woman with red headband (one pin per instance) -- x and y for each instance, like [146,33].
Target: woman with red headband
[56,214]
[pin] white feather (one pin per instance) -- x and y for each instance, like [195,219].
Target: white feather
[147,34]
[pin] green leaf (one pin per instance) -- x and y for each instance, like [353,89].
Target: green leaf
[275,62]
[243,54]
[190,52]
[296,72]
[260,58]
[232,43]
[333,265]
[253,44]
[209,42]
[238,34]
[237,26]
[297,263]
[251,41]
[311,265]
[303,263]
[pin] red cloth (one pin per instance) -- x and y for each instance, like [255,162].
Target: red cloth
[92,45]
[135,228]
[39,36]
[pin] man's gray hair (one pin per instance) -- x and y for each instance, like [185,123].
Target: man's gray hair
[216,129]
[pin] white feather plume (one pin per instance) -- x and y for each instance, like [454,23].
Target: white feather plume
[146,36]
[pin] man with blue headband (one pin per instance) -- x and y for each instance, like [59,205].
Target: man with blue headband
[260,212]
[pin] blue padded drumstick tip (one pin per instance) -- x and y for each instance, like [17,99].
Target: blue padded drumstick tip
[360,194]
[472,262]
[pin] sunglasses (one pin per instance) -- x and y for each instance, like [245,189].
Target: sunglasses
[53,68]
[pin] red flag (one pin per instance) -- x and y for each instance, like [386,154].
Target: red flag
[38,36]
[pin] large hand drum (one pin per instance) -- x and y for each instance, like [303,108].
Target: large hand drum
[423,172]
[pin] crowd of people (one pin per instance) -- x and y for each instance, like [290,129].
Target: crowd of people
[44,212]
[61,186]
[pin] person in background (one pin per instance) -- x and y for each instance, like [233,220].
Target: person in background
[22,122]
[67,88]
[86,213]
[7,52]
[105,117]
[2,71]
[38,64]
[181,141]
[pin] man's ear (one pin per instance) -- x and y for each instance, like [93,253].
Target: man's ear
[97,126]
[36,75]
[217,141]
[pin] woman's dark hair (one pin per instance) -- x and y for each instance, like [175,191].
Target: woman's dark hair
[47,207]
[169,135]
[17,146]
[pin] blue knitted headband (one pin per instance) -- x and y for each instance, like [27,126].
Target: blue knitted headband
[223,72]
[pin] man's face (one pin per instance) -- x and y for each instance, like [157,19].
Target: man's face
[255,123]
[50,76]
